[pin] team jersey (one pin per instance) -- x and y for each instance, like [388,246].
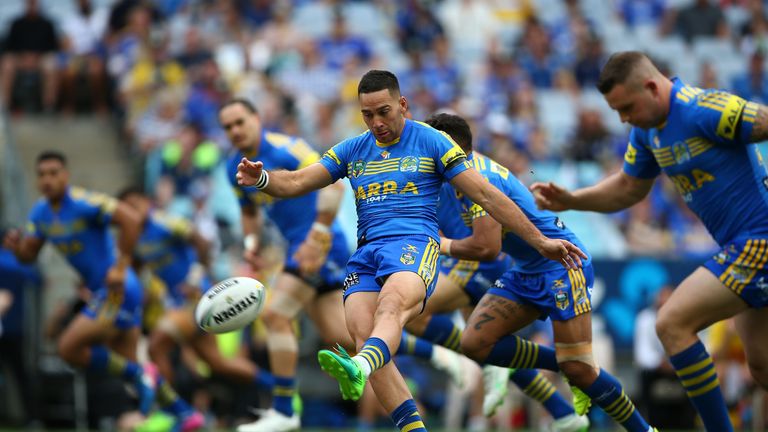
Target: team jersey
[293,216]
[396,184]
[79,229]
[457,212]
[165,249]
[703,149]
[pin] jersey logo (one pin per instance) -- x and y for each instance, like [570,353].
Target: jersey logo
[631,155]
[409,164]
[681,152]
[726,127]
[384,154]
[558,283]
[358,168]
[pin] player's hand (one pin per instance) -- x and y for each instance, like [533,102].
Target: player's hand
[12,240]
[550,196]
[248,173]
[115,279]
[253,258]
[313,252]
[562,251]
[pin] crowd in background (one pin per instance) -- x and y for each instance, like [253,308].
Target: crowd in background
[521,71]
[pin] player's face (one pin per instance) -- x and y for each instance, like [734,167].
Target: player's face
[243,127]
[52,179]
[638,106]
[384,114]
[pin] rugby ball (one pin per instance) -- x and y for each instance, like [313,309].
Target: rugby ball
[230,305]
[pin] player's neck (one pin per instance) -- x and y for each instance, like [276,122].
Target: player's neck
[253,149]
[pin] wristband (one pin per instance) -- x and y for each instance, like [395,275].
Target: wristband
[250,242]
[445,246]
[321,227]
[263,180]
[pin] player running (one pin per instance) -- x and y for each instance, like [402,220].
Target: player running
[313,274]
[699,138]
[396,169]
[177,254]
[103,337]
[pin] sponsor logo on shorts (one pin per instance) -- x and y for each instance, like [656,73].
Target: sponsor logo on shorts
[558,284]
[407,258]
[762,285]
[351,280]
[561,300]
[580,295]
[411,248]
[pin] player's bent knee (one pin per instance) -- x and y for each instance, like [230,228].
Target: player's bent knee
[283,306]
[759,371]
[274,320]
[579,373]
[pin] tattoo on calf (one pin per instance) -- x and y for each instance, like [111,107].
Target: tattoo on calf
[484,318]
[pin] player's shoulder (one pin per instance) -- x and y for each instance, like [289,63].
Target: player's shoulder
[40,206]
[233,159]
[169,221]
[427,132]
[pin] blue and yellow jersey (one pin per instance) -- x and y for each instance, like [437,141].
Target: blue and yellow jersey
[703,149]
[397,184]
[293,216]
[165,249]
[457,212]
[79,228]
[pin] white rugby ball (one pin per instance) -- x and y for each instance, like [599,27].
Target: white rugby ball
[230,305]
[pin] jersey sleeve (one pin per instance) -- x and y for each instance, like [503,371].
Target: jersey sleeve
[32,227]
[638,159]
[295,153]
[95,206]
[178,227]
[450,159]
[335,160]
[723,118]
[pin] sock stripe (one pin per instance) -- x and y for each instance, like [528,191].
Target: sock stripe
[534,384]
[369,358]
[699,379]
[715,383]
[415,425]
[541,388]
[534,354]
[610,408]
[518,350]
[624,415]
[282,391]
[453,339]
[694,367]
[379,355]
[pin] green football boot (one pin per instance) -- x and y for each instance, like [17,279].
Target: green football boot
[345,370]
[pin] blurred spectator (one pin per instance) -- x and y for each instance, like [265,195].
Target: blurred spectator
[589,62]
[732,371]
[189,158]
[417,26]
[83,54]
[636,13]
[30,47]
[708,76]
[754,32]
[257,12]
[644,233]
[153,71]
[162,121]
[195,50]
[208,91]
[127,42]
[15,281]
[439,74]
[592,140]
[663,399]
[571,30]
[340,47]
[471,26]
[753,84]
[700,19]
[536,57]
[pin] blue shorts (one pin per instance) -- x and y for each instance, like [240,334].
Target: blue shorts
[122,310]
[474,277]
[331,274]
[374,261]
[557,294]
[741,266]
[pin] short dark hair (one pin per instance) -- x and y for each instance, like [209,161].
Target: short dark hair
[377,80]
[248,105]
[618,68]
[130,190]
[51,155]
[455,126]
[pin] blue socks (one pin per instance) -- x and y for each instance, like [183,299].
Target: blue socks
[607,393]
[696,372]
[264,379]
[407,418]
[417,347]
[441,330]
[540,389]
[375,353]
[104,360]
[518,353]
[282,395]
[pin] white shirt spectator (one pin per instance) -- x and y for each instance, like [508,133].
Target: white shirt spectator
[649,353]
[85,32]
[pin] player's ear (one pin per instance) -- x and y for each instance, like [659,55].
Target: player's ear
[652,86]
[403,104]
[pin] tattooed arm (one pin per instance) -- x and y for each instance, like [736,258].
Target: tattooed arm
[760,128]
